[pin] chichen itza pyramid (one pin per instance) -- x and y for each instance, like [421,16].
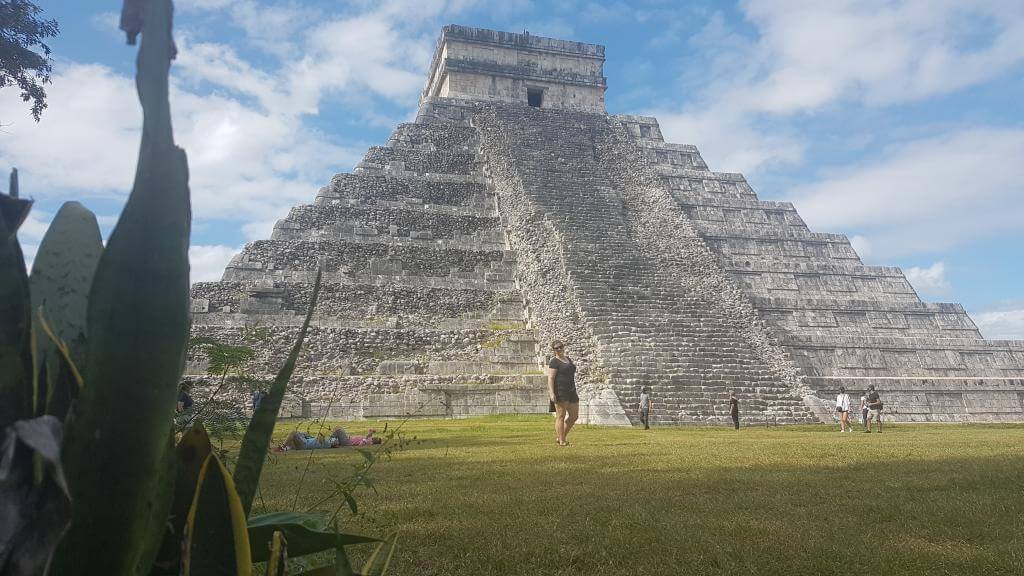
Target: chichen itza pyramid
[515,210]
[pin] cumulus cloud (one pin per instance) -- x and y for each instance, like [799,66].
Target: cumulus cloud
[861,245]
[931,281]
[924,196]
[31,233]
[1002,324]
[807,56]
[208,262]
[245,162]
[879,52]
[87,140]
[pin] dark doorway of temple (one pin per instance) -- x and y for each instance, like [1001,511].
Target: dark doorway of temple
[534,97]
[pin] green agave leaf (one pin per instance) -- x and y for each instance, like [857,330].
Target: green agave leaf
[190,454]
[137,332]
[157,522]
[15,316]
[256,441]
[61,276]
[216,538]
[378,562]
[305,532]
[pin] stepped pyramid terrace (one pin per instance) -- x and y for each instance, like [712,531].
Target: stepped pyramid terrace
[515,210]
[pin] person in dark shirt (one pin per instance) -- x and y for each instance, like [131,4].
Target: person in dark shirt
[184,399]
[562,391]
[644,407]
[874,408]
[734,409]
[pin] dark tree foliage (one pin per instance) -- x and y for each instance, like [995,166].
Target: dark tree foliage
[21,30]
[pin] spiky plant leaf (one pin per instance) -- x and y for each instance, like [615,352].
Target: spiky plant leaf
[306,533]
[16,391]
[138,327]
[216,537]
[61,276]
[190,454]
[256,441]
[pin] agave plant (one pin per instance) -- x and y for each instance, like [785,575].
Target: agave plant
[92,347]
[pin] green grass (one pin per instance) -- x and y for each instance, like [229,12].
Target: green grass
[497,496]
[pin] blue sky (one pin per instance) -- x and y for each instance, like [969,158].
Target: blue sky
[896,123]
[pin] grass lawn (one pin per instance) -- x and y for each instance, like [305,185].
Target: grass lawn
[498,496]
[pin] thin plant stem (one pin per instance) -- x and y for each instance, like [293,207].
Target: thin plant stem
[360,476]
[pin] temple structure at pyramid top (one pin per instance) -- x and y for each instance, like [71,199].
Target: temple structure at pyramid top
[515,211]
[489,66]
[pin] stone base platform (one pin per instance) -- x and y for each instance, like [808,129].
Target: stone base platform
[934,399]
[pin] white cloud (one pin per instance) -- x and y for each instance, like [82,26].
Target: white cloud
[924,196]
[879,52]
[87,139]
[929,281]
[728,141]
[261,229]
[109,23]
[245,162]
[208,262]
[1004,324]
[220,65]
[861,245]
[807,56]
[34,227]
[31,233]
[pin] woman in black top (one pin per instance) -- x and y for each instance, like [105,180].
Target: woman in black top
[562,391]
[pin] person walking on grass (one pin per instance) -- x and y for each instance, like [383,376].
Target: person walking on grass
[864,409]
[843,408]
[734,409]
[644,407]
[562,391]
[875,408]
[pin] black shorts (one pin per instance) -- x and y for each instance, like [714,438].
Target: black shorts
[566,394]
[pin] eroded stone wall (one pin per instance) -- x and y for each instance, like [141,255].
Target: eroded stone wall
[418,312]
[842,323]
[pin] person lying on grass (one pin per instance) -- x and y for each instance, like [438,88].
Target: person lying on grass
[298,440]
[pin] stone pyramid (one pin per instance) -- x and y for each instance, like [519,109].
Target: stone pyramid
[515,211]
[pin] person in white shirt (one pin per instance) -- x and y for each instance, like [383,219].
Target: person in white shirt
[864,409]
[843,407]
